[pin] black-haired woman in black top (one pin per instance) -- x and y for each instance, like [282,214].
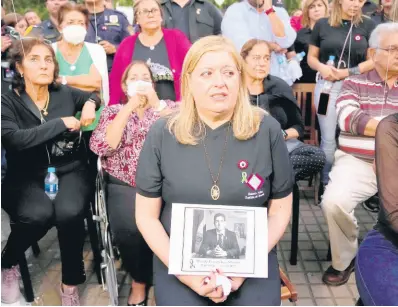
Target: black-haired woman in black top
[38,130]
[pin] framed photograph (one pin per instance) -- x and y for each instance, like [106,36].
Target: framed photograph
[207,237]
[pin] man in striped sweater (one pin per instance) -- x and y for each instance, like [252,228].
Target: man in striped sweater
[364,100]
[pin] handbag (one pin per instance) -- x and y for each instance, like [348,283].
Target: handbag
[63,148]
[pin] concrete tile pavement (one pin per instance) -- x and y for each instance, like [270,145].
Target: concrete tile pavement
[306,275]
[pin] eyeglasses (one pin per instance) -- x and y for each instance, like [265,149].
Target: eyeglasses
[392,50]
[146,12]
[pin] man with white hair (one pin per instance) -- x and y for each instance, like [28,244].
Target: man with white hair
[364,100]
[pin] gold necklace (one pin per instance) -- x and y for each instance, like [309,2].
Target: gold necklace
[44,109]
[215,189]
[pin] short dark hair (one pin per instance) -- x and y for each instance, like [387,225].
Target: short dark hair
[218,215]
[19,50]
[72,7]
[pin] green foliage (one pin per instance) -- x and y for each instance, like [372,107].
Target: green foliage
[123,2]
[21,6]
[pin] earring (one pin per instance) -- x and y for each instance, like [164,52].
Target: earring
[21,74]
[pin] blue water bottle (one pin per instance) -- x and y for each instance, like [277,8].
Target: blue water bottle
[51,183]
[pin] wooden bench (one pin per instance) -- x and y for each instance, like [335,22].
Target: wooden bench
[288,291]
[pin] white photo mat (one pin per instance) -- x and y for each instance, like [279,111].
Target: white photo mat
[191,223]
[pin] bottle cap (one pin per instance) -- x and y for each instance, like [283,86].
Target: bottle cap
[51,169]
[332,57]
[302,53]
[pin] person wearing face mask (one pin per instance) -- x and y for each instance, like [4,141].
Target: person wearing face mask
[81,64]
[345,36]
[118,140]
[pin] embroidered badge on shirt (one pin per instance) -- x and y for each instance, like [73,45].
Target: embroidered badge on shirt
[255,181]
[113,19]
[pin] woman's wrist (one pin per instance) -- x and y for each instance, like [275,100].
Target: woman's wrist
[90,104]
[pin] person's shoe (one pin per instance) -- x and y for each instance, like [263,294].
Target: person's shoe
[10,292]
[333,277]
[143,303]
[372,204]
[70,296]
[321,190]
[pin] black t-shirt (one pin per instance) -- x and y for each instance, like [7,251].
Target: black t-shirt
[301,44]
[179,173]
[158,60]
[330,40]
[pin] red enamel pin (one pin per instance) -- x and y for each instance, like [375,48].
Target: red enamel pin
[243,164]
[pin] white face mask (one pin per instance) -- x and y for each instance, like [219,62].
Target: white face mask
[133,85]
[74,34]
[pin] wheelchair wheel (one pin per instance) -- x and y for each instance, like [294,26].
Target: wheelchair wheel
[109,271]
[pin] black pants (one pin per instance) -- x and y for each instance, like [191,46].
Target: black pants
[169,291]
[307,160]
[136,255]
[33,214]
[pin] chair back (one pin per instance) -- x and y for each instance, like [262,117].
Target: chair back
[304,93]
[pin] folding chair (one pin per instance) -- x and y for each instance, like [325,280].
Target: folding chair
[108,268]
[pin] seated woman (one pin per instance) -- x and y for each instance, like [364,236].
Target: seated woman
[199,147]
[163,49]
[38,130]
[118,140]
[275,96]
[376,264]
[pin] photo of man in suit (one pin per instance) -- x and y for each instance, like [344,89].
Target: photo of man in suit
[220,242]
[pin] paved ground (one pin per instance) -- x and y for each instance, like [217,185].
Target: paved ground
[306,275]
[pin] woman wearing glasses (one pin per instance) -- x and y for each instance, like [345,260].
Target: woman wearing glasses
[162,49]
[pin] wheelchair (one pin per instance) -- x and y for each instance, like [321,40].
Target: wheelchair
[100,216]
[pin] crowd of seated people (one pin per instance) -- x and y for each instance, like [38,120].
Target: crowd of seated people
[188,83]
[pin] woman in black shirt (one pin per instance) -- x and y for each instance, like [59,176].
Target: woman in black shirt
[376,265]
[313,10]
[344,35]
[275,96]
[38,130]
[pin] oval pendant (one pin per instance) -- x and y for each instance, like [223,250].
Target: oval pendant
[45,113]
[152,47]
[73,68]
[215,192]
